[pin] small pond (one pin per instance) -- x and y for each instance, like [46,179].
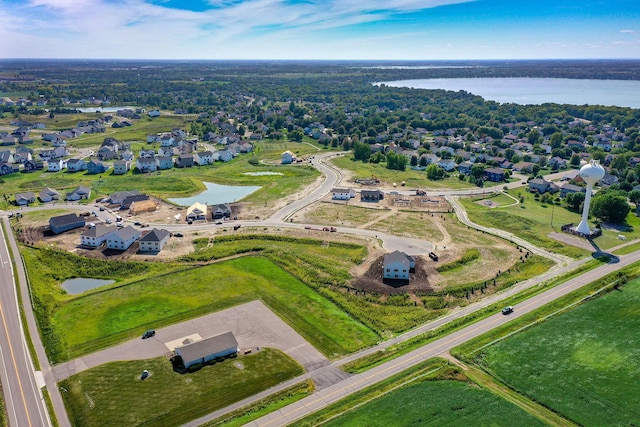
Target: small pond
[265,173]
[217,194]
[83,284]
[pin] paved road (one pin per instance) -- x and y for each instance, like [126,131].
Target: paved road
[352,384]
[23,398]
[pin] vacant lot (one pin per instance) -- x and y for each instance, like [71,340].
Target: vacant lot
[114,395]
[583,364]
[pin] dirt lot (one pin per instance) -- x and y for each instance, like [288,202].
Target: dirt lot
[371,280]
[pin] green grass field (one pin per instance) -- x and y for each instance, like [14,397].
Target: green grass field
[114,395]
[429,394]
[583,364]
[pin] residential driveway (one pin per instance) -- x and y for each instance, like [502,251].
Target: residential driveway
[253,325]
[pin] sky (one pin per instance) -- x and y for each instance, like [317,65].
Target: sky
[320,29]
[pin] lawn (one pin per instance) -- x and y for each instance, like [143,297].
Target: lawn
[583,364]
[114,395]
[530,220]
[123,312]
[438,397]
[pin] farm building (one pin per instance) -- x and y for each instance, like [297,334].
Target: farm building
[208,349]
[154,240]
[141,206]
[197,211]
[60,224]
[397,266]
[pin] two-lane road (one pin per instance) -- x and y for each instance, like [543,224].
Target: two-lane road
[22,394]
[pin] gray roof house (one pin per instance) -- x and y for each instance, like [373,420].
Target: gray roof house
[123,238]
[79,193]
[207,349]
[95,236]
[60,224]
[23,199]
[48,194]
[397,266]
[154,240]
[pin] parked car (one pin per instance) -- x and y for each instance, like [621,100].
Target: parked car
[139,224]
[108,221]
[101,208]
[177,234]
[150,333]
[507,310]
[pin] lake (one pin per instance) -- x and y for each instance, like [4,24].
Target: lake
[216,194]
[621,93]
[83,284]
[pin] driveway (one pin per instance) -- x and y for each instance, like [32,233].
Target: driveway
[253,325]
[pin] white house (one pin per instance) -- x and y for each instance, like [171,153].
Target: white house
[76,165]
[342,193]
[203,158]
[146,164]
[123,238]
[121,167]
[197,211]
[95,236]
[154,240]
[288,157]
[447,164]
[397,266]
[56,165]
[48,194]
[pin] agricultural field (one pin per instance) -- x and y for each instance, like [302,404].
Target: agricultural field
[582,364]
[114,394]
[432,395]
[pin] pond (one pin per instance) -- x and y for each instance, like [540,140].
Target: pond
[102,109]
[265,173]
[217,194]
[83,284]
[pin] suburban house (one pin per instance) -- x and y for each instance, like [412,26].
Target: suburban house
[465,167]
[60,224]
[204,158]
[96,236]
[146,164]
[185,161]
[343,193]
[288,157]
[154,113]
[78,194]
[121,167]
[397,266]
[6,169]
[221,211]
[570,188]
[207,349]
[447,164]
[123,238]
[130,200]
[154,240]
[164,162]
[56,165]
[196,211]
[541,186]
[493,174]
[48,194]
[371,195]
[118,197]
[76,165]
[96,167]
[29,166]
[141,206]
[24,199]
[226,156]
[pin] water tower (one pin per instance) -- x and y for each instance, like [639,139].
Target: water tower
[591,173]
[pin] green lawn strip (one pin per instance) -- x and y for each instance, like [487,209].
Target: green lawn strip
[627,249]
[375,359]
[493,385]
[124,312]
[114,395]
[50,408]
[583,363]
[265,406]
[432,393]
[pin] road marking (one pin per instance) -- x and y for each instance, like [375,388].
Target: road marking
[15,365]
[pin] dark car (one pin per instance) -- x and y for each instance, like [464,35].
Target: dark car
[150,333]
[177,234]
[138,223]
[507,310]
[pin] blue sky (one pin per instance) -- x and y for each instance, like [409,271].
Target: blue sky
[320,29]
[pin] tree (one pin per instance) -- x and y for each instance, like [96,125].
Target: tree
[414,160]
[575,201]
[361,151]
[434,172]
[477,171]
[556,140]
[575,160]
[610,207]
[634,196]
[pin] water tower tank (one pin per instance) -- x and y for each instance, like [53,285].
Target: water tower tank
[592,172]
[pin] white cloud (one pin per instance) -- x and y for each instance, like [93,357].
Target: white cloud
[627,31]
